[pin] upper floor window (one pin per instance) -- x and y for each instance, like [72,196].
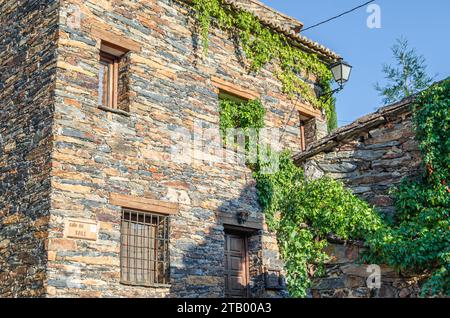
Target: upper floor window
[108,80]
[302,134]
[111,77]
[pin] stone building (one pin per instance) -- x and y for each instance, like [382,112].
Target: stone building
[370,156]
[92,203]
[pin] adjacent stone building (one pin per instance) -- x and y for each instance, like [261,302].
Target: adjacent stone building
[93,95]
[371,155]
[345,277]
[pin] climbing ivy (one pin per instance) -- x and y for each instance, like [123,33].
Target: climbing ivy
[241,114]
[261,45]
[303,213]
[419,240]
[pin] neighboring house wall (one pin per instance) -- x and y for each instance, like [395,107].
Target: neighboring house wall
[370,156]
[345,278]
[27,71]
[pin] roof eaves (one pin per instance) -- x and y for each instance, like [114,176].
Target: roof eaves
[305,43]
[310,45]
[360,125]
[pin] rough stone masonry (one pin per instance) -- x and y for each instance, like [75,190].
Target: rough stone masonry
[370,156]
[64,161]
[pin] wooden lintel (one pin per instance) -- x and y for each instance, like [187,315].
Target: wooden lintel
[114,39]
[144,204]
[307,110]
[233,89]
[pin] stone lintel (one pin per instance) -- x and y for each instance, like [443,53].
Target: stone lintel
[230,222]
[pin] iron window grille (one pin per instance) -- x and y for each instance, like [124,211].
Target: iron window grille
[144,252]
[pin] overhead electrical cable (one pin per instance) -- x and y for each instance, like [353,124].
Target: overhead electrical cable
[336,17]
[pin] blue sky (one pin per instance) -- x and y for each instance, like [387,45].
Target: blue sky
[424,23]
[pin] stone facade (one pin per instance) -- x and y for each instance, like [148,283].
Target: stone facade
[62,157]
[27,79]
[370,156]
[345,278]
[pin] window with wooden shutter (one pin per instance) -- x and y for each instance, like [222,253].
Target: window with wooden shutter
[108,80]
[112,90]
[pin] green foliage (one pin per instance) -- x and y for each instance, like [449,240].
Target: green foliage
[439,283]
[332,119]
[261,45]
[407,78]
[432,122]
[420,239]
[303,213]
[245,114]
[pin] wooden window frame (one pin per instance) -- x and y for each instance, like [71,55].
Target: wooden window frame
[302,135]
[304,119]
[162,209]
[113,79]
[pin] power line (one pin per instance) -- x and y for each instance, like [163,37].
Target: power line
[338,16]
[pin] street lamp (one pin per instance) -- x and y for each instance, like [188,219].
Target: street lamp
[341,71]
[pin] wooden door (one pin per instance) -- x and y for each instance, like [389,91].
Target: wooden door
[236,266]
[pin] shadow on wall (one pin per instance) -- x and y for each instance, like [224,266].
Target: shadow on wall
[201,252]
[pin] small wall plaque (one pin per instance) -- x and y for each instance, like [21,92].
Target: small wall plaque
[82,229]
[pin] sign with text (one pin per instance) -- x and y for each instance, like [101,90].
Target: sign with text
[82,229]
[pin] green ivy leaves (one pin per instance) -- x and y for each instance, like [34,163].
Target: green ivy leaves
[432,121]
[303,213]
[245,114]
[420,238]
[261,45]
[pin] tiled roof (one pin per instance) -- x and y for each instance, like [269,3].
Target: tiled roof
[283,24]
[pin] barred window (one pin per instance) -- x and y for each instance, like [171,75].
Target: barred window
[144,255]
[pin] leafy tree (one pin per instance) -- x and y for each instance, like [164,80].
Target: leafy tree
[408,77]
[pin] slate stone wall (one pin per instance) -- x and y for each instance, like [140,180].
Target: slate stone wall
[28,36]
[370,156]
[345,278]
[97,153]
